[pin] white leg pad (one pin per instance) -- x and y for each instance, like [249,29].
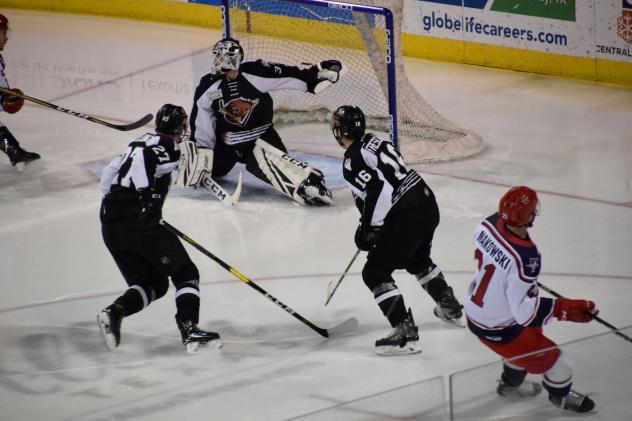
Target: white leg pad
[285,173]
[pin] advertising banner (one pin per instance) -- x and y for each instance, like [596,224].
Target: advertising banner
[566,27]
[614,30]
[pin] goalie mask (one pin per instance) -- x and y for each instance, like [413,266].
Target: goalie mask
[348,121]
[519,206]
[227,55]
[171,120]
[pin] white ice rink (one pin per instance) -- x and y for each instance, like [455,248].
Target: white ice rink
[569,140]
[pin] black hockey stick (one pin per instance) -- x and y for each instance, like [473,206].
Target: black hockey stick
[331,291]
[122,127]
[597,318]
[338,330]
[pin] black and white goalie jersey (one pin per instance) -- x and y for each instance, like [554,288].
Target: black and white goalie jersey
[239,111]
[147,163]
[377,175]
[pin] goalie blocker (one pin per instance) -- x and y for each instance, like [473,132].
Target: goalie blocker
[194,164]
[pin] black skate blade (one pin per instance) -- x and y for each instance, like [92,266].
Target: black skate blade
[343,328]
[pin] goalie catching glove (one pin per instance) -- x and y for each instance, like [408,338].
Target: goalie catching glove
[195,163]
[323,74]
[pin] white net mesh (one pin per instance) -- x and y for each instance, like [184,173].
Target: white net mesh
[294,33]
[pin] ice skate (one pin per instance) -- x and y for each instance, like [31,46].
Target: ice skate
[110,324]
[404,339]
[574,402]
[525,390]
[18,156]
[24,158]
[449,309]
[195,339]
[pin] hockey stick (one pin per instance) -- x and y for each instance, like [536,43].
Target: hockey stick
[337,330]
[123,127]
[331,291]
[220,193]
[598,319]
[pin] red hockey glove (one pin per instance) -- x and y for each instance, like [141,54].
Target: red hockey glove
[581,311]
[12,104]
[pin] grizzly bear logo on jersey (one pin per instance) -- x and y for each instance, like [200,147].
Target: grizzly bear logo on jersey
[237,111]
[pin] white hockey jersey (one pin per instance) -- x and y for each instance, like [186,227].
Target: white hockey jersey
[503,297]
[147,163]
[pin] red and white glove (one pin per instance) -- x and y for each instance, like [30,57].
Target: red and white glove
[581,311]
[11,103]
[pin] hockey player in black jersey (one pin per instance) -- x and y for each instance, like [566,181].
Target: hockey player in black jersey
[231,121]
[135,185]
[399,215]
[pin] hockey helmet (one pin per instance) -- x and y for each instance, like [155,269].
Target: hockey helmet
[4,23]
[171,120]
[519,206]
[348,121]
[227,55]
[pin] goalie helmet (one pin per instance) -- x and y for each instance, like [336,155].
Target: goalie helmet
[227,55]
[348,121]
[519,206]
[171,120]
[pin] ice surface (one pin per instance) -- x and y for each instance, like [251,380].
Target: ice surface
[569,140]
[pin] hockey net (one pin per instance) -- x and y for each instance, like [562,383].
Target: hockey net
[300,32]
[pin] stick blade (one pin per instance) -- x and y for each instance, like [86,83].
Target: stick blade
[329,293]
[343,328]
[237,192]
[135,125]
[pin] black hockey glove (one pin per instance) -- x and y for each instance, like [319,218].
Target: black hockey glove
[328,70]
[366,237]
[151,212]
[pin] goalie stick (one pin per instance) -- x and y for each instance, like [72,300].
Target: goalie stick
[331,290]
[337,330]
[220,193]
[614,329]
[122,127]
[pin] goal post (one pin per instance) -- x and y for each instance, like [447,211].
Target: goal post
[366,37]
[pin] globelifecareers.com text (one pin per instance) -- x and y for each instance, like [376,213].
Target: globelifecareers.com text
[472,25]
